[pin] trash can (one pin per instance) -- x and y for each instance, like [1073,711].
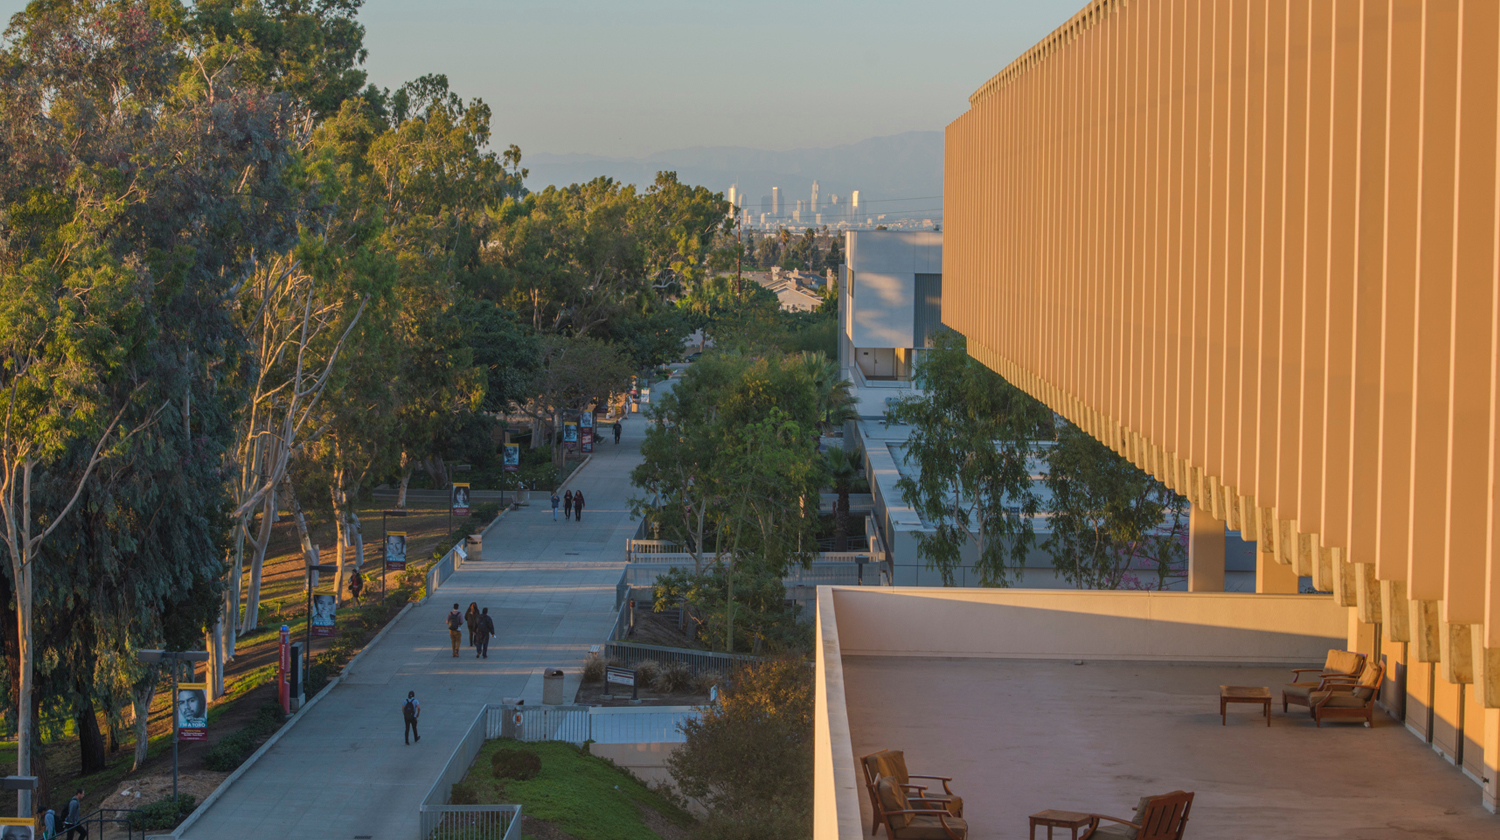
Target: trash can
[552,687]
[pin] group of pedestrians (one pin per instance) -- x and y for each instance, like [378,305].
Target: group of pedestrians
[572,505]
[481,629]
[69,825]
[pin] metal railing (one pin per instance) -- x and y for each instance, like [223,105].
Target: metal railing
[578,725]
[441,821]
[97,820]
[440,571]
[630,654]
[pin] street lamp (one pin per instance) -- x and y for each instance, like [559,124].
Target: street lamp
[154,657]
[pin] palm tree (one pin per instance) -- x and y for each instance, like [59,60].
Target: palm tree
[842,467]
[836,403]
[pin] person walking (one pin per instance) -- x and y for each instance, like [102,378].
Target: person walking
[73,822]
[356,586]
[455,621]
[471,618]
[568,505]
[578,506]
[483,634]
[410,711]
[618,429]
[48,819]
[555,502]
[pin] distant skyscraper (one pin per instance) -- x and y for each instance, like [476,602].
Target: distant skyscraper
[854,202]
[814,207]
[775,202]
[733,189]
[818,219]
[765,204]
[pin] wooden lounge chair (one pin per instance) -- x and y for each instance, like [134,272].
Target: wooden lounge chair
[892,764]
[927,821]
[1343,697]
[1156,818]
[1340,663]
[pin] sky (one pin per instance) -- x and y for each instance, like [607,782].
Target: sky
[625,78]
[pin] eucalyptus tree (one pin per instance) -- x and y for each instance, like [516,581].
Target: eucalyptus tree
[972,436]
[134,197]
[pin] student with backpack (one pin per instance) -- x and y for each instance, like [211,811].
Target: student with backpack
[455,621]
[410,711]
[49,822]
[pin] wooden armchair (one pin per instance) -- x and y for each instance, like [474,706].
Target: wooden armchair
[1345,697]
[891,764]
[1156,818]
[928,821]
[1339,663]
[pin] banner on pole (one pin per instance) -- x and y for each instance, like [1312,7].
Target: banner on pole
[21,828]
[586,419]
[324,607]
[192,711]
[395,551]
[570,432]
[460,500]
[588,438]
[512,457]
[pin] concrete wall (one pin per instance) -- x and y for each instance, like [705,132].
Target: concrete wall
[836,786]
[1066,624]
[882,294]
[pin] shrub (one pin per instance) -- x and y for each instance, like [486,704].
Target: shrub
[464,793]
[485,511]
[672,678]
[163,814]
[707,680]
[646,671]
[593,670]
[755,747]
[231,751]
[521,765]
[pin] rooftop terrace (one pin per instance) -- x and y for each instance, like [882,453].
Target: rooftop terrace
[1021,736]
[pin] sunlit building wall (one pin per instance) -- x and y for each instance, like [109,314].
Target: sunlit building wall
[1252,246]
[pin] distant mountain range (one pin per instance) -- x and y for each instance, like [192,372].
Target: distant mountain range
[908,167]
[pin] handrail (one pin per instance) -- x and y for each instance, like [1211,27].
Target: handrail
[97,817]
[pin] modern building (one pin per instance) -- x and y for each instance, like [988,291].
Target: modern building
[854,202]
[775,202]
[814,204]
[1252,246]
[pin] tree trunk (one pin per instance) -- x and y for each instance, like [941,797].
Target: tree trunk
[257,565]
[141,701]
[340,535]
[406,470]
[309,548]
[25,709]
[91,752]
[357,537]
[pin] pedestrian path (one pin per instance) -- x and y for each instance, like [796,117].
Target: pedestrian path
[343,771]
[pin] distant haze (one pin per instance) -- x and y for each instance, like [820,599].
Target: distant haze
[902,173]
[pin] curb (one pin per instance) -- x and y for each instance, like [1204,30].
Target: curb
[574,474]
[349,666]
[249,762]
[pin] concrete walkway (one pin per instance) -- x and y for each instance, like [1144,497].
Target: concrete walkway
[343,771]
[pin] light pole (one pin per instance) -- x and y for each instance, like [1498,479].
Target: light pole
[173,657]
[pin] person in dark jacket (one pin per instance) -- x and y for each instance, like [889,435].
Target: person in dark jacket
[482,636]
[618,429]
[578,506]
[72,822]
[568,505]
[356,586]
[471,618]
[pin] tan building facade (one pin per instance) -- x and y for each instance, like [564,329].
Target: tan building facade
[1253,246]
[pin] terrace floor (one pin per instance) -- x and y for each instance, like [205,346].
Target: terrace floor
[1021,736]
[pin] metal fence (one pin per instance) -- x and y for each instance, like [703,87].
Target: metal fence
[630,654]
[440,571]
[578,725]
[441,821]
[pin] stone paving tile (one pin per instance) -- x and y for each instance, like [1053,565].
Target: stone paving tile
[343,771]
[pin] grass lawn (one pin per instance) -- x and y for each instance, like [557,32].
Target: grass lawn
[580,794]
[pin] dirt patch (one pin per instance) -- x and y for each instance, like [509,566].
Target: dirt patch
[543,830]
[592,694]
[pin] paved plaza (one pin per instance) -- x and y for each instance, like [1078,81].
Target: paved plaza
[343,770]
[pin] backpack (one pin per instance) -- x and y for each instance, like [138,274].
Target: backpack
[409,709]
[455,620]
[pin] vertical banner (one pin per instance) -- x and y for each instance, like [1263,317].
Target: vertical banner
[395,551]
[512,457]
[587,435]
[21,828]
[460,500]
[192,711]
[586,419]
[324,607]
[570,434]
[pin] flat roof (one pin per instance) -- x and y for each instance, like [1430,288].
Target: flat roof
[1022,736]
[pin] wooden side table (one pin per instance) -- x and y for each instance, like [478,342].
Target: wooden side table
[1059,819]
[1243,694]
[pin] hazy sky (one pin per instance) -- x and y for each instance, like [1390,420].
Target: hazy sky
[630,77]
